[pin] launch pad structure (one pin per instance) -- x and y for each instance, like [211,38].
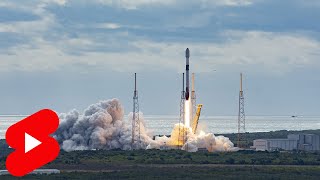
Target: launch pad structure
[189,113]
[188,105]
[181,139]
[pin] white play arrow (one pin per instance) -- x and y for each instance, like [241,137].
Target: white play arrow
[30,142]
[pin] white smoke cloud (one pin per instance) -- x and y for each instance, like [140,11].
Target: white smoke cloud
[183,137]
[102,126]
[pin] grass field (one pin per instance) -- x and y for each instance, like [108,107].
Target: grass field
[190,172]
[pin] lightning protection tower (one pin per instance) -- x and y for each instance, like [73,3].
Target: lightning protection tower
[241,118]
[135,142]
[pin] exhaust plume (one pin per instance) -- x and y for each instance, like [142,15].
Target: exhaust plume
[183,137]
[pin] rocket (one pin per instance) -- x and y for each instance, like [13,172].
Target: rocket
[187,74]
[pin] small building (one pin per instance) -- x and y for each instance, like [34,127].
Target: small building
[274,144]
[37,171]
[303,142]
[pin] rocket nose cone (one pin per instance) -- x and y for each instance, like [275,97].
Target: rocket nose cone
[187,53]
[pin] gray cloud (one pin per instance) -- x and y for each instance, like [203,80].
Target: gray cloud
[275,51]
[122,40]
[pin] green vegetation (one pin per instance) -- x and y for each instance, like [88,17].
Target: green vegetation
[172,164]
[117,157]
[245,172]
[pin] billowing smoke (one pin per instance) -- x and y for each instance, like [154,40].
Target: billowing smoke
[102,126]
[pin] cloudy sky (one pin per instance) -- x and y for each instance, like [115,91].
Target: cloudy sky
[65,54]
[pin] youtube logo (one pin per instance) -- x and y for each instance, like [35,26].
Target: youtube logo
[34,147]
[30,142]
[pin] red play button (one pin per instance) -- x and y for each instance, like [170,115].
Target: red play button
[31,140]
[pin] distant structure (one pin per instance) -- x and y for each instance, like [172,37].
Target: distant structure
[135,117]
[181,119]
[193,98]
[241,117]
[37,171]
[303,142]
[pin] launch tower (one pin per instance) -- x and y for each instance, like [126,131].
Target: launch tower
[181,139]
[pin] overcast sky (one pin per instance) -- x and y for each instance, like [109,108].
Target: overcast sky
[65,54]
